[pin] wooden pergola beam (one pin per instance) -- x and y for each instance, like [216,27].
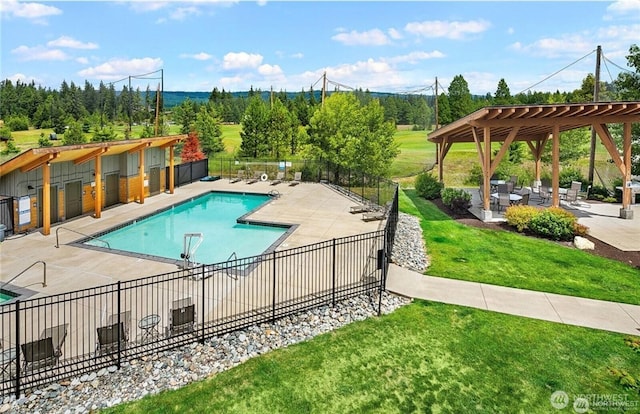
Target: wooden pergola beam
[38,162]
[89,156]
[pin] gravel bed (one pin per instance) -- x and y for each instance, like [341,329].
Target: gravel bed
[178,367]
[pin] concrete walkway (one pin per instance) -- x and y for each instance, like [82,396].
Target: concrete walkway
[590,313]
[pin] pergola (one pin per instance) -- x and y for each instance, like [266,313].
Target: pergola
[78,154]
[535,125]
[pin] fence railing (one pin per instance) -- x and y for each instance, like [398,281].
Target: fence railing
[56,337]
[187,172]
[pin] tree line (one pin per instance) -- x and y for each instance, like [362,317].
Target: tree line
[275,124]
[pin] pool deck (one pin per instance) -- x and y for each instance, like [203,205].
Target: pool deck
[319,212]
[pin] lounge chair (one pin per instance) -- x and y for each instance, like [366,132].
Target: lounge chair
[374,215]
[110,338]
[256,177]
[360,208]
[45,351]
[116,328]
[239,177]
[181,317]
[504,200]
[278,179]
[297,178]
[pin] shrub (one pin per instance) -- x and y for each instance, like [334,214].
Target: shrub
[580,230]
[428,186]
[569,174]
[519,216]
[610,200]
[475,175]
[553,223]
[456,199]
[18,123]
[598,192]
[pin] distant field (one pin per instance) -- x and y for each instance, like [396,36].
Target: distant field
[416,153]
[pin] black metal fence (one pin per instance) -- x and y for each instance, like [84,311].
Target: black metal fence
[187,172]
[360,185]
[70,334]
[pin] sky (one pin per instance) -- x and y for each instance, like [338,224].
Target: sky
[382,46]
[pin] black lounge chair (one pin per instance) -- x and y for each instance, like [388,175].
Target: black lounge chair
[182,317]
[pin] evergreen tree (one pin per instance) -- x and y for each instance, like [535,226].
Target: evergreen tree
[503,95]
[254,129]
[207,125]
[460,100]
[74,134]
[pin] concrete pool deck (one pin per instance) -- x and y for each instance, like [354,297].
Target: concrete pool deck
[319,212]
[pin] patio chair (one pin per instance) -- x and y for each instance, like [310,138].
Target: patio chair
[278,179]
[125,318]
[239,177]
[524,201]
[576,185]
[181,317]
[297,178]
[572,196]
[45,351]
[503,200]
[544,194]
[110,338]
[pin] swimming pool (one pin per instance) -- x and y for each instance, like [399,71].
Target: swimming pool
[6,296]
[219,216]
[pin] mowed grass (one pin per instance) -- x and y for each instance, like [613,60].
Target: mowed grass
[509,259]
[424,357]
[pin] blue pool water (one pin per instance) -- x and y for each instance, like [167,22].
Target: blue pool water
[214,214]
[6,297]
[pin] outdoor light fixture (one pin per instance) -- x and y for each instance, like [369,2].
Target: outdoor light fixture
[29,187]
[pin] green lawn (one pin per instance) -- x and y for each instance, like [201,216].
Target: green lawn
[425,357]
[510,259]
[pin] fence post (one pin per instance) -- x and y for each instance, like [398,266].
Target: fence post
[273,304]
[333,284]
[119,321]
[383,276]
[203,296]
[17,349]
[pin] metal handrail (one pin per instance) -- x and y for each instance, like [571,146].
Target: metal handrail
[44,279]
[226,269]
[82,234]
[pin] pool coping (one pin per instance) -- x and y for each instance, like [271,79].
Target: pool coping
[243,219]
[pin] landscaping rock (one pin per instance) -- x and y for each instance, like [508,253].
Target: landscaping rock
[583,244]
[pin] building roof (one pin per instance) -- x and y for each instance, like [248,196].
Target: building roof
[535,121]
[35,157]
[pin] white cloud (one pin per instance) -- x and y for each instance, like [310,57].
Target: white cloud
[415,57]
[375,37]
[394,34]
[623,8]
[197,56]
[511,30]
[447,29]
[570,45]
[119,68]
[269,70]
[241,60]
[298,55]
[71,43]
[32,11]
[26,53]
[181,13]
[82,60]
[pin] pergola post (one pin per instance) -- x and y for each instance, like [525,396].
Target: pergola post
[171,168]
[486,175]
[555,168]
